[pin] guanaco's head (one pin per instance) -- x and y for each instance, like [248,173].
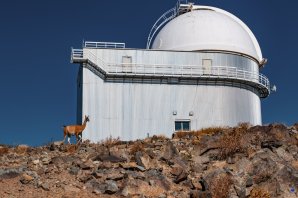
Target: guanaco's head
[87,118]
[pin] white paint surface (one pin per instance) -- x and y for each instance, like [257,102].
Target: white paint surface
[211,29]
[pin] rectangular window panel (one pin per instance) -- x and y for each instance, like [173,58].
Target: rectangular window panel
[178,126]
[182,125]
[185,126]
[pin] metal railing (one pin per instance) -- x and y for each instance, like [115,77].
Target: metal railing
[76,54]
[196,71]
[90,44]
[226,72]
[166,17]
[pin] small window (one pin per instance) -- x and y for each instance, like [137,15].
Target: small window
[182,125]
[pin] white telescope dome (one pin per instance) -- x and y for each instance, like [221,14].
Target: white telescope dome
[208,28]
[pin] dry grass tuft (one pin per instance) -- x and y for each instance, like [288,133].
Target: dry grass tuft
[137,146]
[263,176]
[244,125]
[220,186]
[159,137]
[3,150]
[207,131]
[259,193]
[22,149]
[232,142]
[71,148]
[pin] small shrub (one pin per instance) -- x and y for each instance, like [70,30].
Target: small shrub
[220,186]
[259,193]
[110,141]
[137,146]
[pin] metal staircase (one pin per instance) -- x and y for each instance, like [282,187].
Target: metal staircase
[182,6]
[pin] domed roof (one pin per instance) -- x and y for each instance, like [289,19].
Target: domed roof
[208,28]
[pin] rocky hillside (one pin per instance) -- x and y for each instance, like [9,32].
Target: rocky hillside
[257,162]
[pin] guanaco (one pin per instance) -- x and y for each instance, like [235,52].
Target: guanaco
[75,130]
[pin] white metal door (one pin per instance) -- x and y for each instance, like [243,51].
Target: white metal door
[127,64]
[207,64]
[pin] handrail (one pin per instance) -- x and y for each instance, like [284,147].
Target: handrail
[188,71]
[76,53]
[91,44]
[166,17]
[141,69]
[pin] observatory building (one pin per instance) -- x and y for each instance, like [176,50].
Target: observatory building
[200,69]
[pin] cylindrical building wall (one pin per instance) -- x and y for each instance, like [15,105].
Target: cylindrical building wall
[133,110]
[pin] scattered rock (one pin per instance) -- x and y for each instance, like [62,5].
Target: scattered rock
[111,187]
[284,155]
[115,176]
[176,170]
[181,177]
[25,179]
[35,162]
[271,144]
[188,166]
[46,161]
[10,173]
[144,160]
[74,170]
[109,158]
[45,186]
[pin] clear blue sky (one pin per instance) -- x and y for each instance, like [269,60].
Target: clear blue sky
[38,83]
